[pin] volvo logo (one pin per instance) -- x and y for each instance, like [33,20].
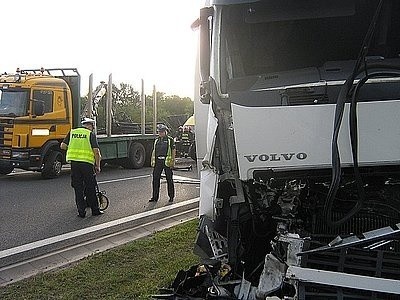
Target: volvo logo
[276,157]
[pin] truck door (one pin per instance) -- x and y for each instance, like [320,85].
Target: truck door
[42,127]
[50,125]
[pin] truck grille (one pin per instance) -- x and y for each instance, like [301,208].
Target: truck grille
[305,96]
[360,223]
[382,263]
[307,99]
[6,134]
[375,263]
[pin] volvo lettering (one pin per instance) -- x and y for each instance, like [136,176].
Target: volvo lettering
[276,157]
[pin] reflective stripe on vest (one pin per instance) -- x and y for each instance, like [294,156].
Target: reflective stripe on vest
[79,148]
[168,158]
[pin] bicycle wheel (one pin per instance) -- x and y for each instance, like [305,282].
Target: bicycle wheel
[103,201]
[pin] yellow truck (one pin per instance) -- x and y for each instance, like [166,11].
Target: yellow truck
[38,108]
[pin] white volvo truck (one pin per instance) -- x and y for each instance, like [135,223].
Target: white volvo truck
[300,182]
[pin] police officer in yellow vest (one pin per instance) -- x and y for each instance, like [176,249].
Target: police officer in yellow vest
[84,155]
[163,158]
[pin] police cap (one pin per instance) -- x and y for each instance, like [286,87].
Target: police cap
[87,121]
[161,127]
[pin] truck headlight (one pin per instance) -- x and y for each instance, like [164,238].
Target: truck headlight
[20,155]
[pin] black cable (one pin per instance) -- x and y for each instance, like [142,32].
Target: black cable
[340,105]
[354,143]
[353,125]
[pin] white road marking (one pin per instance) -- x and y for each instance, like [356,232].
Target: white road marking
[124,179]
[148,175]
[80,232]
[175,177]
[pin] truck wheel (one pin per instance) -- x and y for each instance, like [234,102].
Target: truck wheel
[6,170]
[52,165]
[136,156]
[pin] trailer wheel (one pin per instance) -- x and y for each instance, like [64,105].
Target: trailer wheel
[6,170]
[136,156]
[52,165]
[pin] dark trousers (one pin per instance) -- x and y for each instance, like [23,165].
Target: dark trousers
[158,168]
[84,183]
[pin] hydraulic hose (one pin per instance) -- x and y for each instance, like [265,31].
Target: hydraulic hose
[354,131]
[344,95]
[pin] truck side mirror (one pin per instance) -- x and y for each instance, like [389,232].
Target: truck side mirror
[205,52]
[38,108]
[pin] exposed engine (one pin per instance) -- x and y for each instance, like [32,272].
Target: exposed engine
[297,205]
[282,223]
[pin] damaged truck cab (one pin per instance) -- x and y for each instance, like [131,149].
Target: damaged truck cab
[300,182]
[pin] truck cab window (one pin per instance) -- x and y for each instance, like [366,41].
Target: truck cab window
[13,103]
[47,98]
[257,41]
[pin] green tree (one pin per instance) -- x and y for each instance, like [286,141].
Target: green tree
[126,104]
[169,106]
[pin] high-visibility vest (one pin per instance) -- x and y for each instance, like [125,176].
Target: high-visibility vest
[168,158]
[185,139]
[79,148]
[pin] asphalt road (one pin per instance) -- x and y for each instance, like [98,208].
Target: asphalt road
[33,208]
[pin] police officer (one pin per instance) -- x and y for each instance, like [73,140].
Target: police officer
[84,155]
[178,141]
[186,141]
[163,158]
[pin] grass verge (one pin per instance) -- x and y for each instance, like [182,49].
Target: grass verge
[132,271]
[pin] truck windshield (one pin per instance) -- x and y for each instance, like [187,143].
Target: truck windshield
[13,103]
[259,38]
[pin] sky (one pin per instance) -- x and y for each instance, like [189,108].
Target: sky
[132,39]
